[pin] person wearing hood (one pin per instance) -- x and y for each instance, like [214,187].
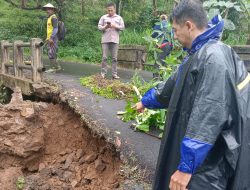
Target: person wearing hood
[205,144]
[52,39]
[162,31]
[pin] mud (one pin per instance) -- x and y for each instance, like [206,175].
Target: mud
[46,146]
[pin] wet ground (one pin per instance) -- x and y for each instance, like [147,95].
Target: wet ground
[82,70]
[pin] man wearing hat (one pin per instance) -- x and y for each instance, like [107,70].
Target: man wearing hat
[52,39]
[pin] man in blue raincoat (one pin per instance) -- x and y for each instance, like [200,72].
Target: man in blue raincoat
[206,142]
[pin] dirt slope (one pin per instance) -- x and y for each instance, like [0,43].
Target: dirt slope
[45,146]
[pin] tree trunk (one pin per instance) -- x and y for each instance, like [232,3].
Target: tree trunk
[154,7]
[248,41]
[120,7]
[23,3]
[38,3]
[83,7]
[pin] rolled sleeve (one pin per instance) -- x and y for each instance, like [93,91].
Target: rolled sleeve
[101,25]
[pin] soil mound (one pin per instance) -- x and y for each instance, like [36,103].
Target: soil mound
[45,146]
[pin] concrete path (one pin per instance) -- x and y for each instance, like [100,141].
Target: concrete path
[103,110]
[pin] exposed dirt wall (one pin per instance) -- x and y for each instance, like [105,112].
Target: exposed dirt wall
[45,146]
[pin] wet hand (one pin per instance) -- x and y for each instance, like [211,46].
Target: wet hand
[179,180]
[113,26]
[139,107]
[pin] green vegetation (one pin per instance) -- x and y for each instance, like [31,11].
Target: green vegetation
[113,89]
[82,43]
[5,95]
[20,183]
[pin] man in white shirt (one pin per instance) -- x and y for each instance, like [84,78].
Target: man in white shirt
[110,25]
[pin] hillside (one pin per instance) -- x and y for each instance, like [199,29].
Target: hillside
[82,41]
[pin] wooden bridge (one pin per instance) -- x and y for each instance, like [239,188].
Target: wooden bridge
[14,69]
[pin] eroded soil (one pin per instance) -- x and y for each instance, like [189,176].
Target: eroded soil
[45,146]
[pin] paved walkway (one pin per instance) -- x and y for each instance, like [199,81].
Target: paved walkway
[104,110]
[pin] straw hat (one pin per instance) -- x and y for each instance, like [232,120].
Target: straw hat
[163,17]
[50,6]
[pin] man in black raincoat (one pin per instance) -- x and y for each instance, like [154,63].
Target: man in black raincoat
[206,142]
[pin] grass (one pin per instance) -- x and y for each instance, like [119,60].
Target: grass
[132,36]
[113,89]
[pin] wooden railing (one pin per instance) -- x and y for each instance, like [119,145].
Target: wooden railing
[17,64]
[244,53]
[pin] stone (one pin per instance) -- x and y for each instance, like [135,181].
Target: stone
[79,154]
[115,185]
[46,172]
[17,96]
[90,174]
[78,174]
[28,112]
[62,160]
[67,175]
[86,181]
[90,158]
[59,172]
[99,165]
[81,161]
[69,160]
[74,184]
[68,150]
[65,187]
[33,167]
[61,123]
[41,166]
[63,153]
[46,187]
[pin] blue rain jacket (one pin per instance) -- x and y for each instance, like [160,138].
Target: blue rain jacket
[207,112]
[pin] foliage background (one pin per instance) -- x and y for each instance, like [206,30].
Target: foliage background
[82,41]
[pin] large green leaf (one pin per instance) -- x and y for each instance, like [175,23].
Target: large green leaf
[143,127]
[237,8]
[229,25]
[221,4]
[213,12]
[208,4]
[230,4]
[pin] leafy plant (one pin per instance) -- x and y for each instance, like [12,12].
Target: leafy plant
[151,118]
[145,120]
[215,7]
[5,95]
[113,89]
[20,182]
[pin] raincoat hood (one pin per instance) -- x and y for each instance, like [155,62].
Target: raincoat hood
[214,31]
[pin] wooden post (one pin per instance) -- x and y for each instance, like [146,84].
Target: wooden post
[36,59]
[18,58]
[5,55]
